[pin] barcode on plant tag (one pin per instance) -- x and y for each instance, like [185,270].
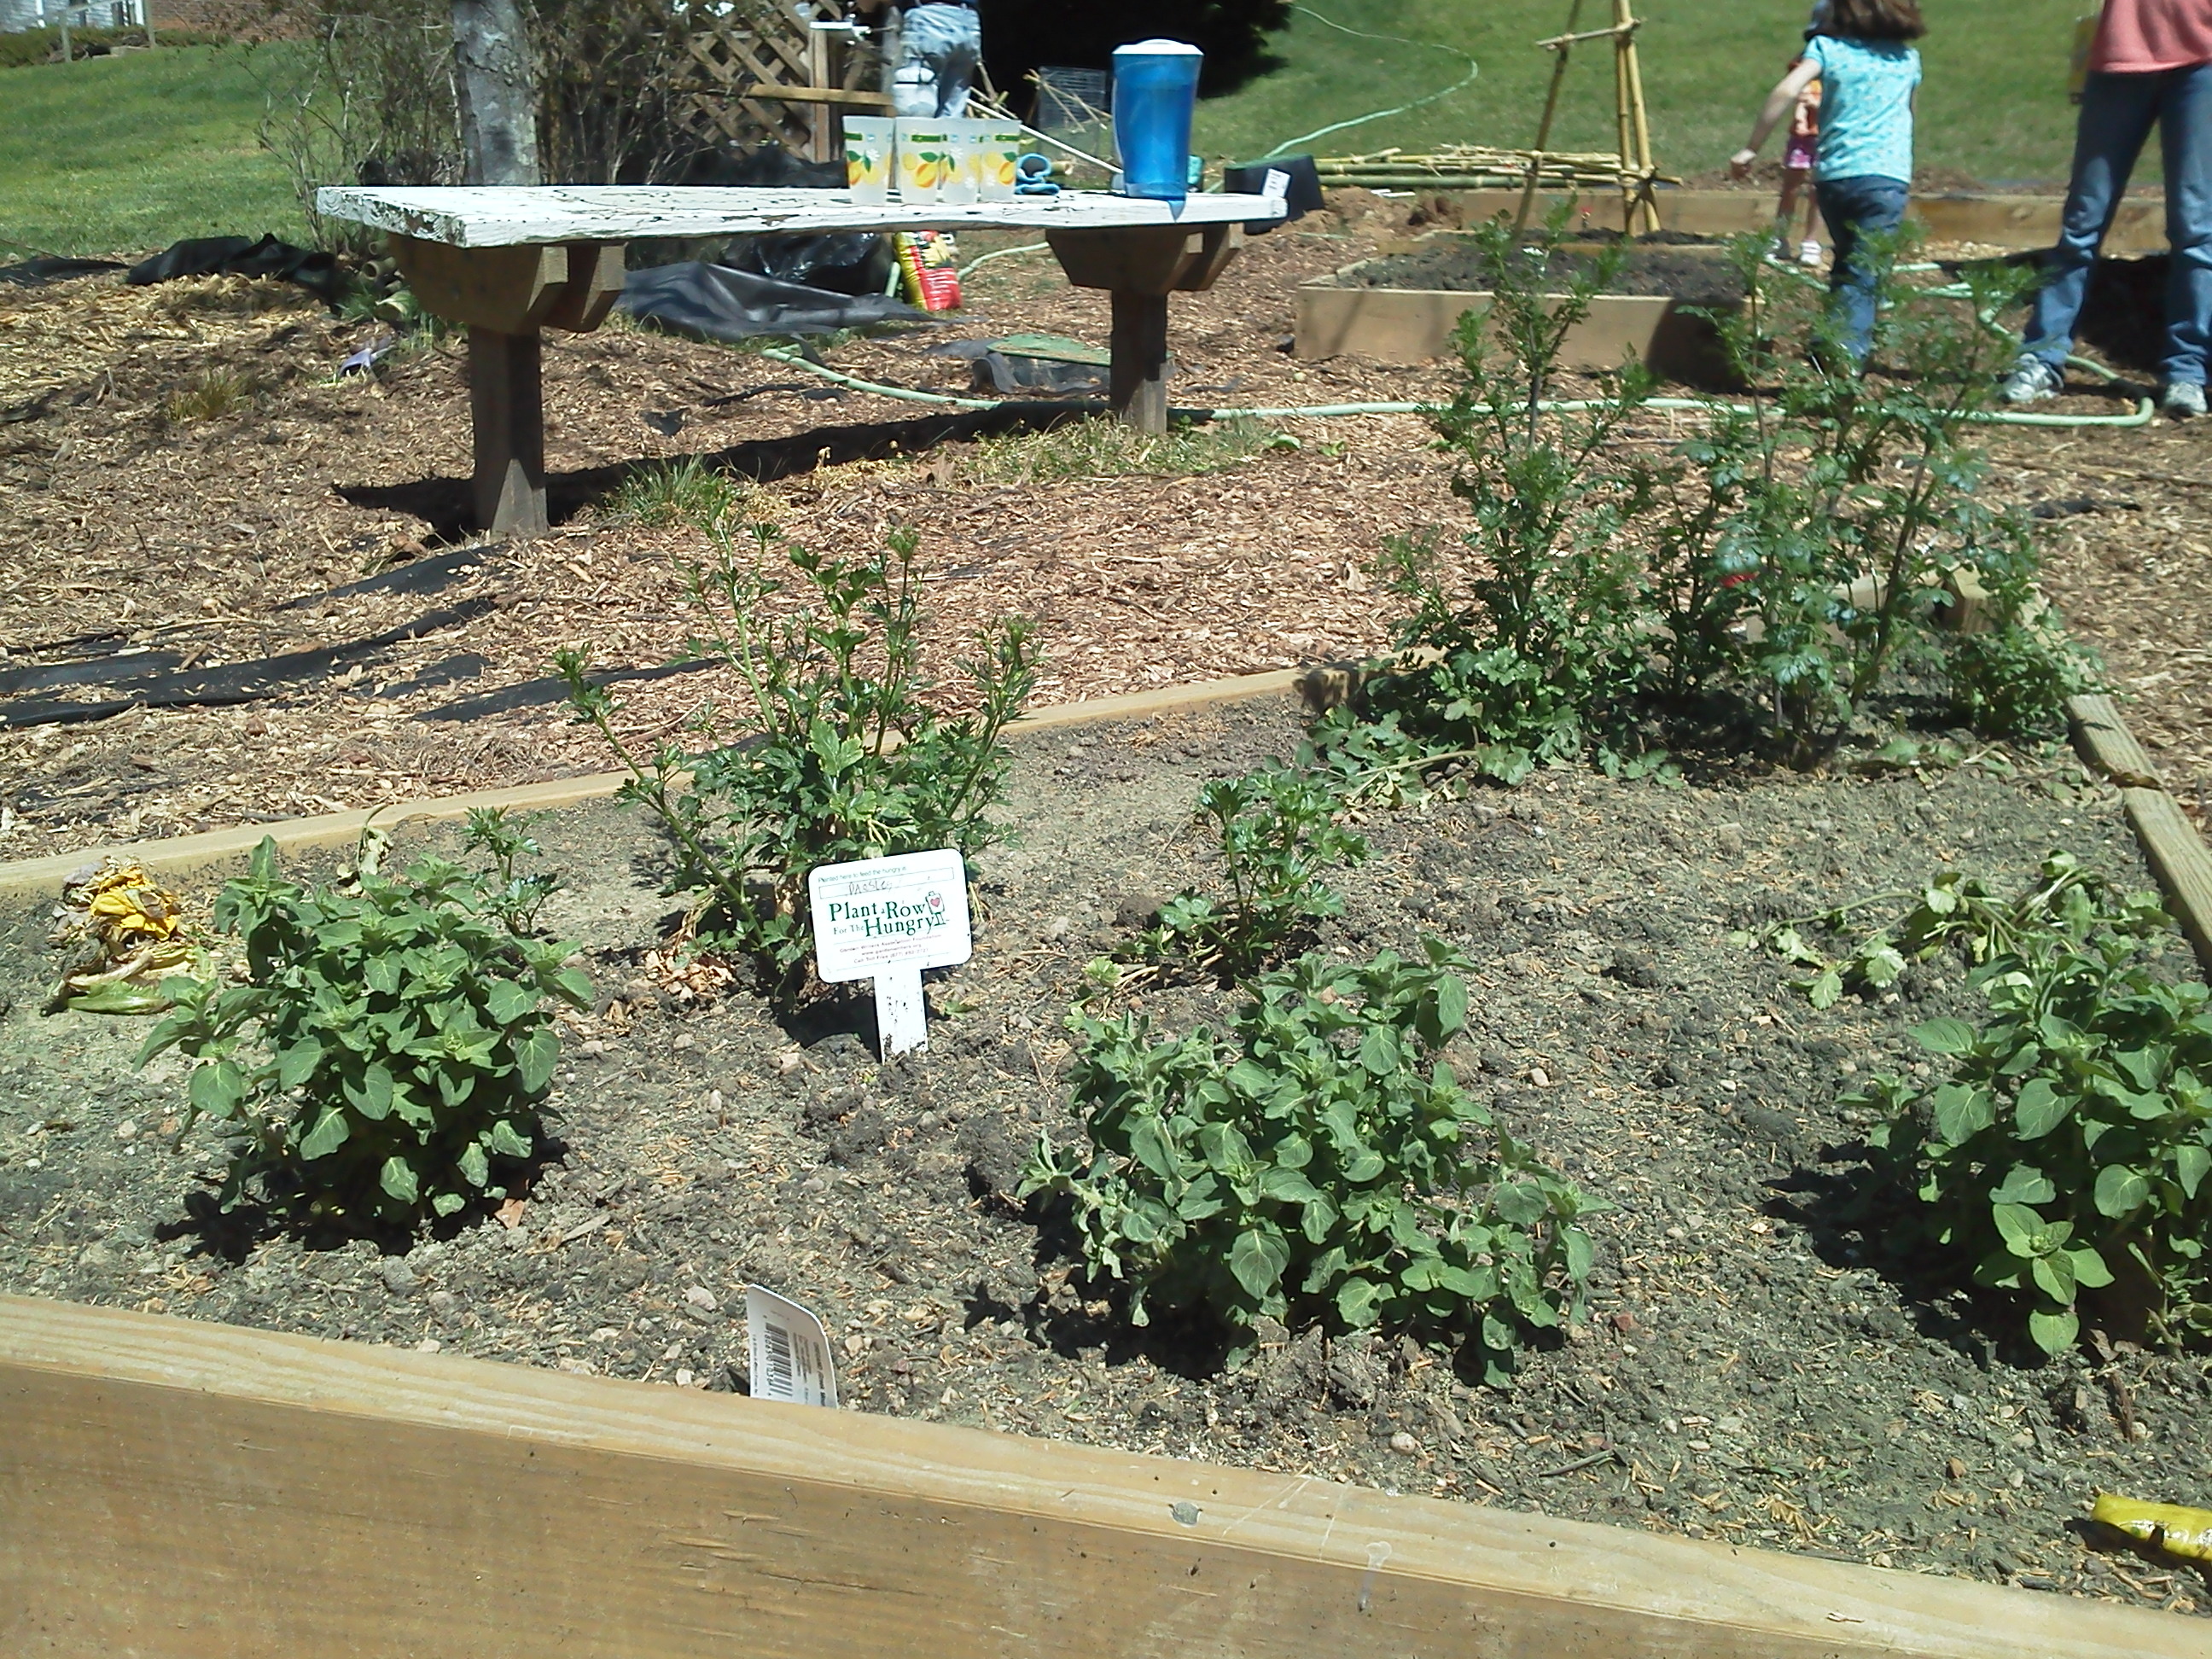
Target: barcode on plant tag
[790,1350]
[779,1385]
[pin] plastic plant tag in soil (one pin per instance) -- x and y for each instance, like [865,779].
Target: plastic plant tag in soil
[789,1351]
[887,920]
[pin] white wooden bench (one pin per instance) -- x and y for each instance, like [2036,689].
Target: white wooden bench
[508,262]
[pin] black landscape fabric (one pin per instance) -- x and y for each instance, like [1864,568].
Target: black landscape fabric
[235,256]
[232,683]
[719,303]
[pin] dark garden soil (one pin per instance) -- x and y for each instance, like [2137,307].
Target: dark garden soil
[1755,1368]
[1696,276]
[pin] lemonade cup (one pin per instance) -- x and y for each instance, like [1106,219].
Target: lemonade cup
[871,150]
[926,158]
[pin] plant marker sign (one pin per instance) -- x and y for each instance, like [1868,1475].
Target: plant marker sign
[887,920]
[789,1351]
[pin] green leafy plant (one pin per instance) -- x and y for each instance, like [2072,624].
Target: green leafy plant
[2013,680]
[1760,580]
[1278,836]
[835,755]
[384,1055]
[2067,1150]
[1321,1163]
[1526,648]
[1952,909]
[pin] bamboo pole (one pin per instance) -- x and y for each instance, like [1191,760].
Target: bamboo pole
[1646,167]
[1624,125]
[1543,126]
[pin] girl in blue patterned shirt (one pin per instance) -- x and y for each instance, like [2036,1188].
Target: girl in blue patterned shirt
[1870,75]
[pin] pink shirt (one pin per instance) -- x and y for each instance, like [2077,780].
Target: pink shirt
[2136,37]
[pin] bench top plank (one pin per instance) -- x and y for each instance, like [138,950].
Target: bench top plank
[507,216]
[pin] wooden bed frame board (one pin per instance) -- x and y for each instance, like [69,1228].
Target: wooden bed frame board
[170,1487]
[2017,222]
[2172,847]
[229,849]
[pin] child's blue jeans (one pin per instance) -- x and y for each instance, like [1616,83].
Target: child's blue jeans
[1856,208]
[2117,113]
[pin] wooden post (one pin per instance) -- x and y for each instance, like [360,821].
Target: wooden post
[1137,390]
[507,411]
[823,137]
[1624,126]
[1139,266]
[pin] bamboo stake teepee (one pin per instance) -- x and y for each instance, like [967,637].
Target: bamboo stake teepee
[1631,123]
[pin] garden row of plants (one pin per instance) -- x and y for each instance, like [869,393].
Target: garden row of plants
[1771,583]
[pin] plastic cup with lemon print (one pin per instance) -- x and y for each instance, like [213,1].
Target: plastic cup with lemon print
[870,148]
[926,161]
[969,138]
[996,155]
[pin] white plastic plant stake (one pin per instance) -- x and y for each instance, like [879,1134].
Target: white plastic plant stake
[886,919]
[789,1351]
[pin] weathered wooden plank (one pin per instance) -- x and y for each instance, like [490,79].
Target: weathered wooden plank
[2177,856]
[2105,741]
[818,95]
[169,1487]
[2017,221]
[226,849]
[2170,844]
[481,218]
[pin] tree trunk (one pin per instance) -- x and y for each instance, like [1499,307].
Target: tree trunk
[496,92]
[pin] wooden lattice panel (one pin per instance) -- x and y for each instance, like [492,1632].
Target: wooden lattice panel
[733,53]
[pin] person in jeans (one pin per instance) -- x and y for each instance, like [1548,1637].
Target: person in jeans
[2151,62]
[1870,74]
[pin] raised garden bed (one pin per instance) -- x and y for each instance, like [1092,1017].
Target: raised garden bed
[1402,307]
[1993,218]
[1753,1369]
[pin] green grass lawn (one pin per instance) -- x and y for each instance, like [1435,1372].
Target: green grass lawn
[1993,105]
[127,153]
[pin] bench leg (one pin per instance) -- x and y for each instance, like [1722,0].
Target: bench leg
[1137,390]
[507,411]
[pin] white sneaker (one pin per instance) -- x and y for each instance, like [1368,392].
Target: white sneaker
[2183,399]
[1808,254]
[2034,381]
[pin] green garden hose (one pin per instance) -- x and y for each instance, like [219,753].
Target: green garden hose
[2142,416]
[1001,253]
[1473,69]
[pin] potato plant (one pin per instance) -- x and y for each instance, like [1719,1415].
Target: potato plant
[835,753]
[1319,1163]
[2067,1152]
[384,1053]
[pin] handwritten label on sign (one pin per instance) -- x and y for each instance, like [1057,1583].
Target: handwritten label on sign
[882,915]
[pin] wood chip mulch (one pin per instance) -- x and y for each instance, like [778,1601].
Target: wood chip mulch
[136,521]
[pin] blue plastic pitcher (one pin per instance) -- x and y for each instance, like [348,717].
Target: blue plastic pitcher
[1155,89]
